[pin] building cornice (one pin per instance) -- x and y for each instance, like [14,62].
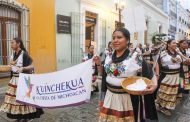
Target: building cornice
[14,4]
[98,5]
[114,12]
[154,7]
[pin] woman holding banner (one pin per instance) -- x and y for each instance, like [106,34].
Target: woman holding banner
[118,105]
[20,62]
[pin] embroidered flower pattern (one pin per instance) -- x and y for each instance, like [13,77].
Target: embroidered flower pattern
[115,72]
[120,68]
[115,69]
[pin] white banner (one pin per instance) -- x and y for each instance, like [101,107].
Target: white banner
[68,87]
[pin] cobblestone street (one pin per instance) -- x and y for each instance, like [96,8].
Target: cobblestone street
[55,53]
[89,112]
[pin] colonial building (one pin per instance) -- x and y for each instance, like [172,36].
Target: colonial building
[34,22]
[182,22]
[13,19]
[188,25]
[156,21]
[58,32]
[92,22]
[178,17]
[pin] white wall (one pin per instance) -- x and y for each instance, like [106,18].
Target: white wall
[154,16]
[63,41]
[106,12]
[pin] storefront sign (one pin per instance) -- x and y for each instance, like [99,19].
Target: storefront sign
[90,19]
[63,24]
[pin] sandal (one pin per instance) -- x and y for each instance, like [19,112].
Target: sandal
[158,108]
[166,112]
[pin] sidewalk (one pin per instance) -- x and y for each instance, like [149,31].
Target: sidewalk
[180,114]
[84,113]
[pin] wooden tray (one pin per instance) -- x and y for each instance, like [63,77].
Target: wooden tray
[5,68]
[131,80]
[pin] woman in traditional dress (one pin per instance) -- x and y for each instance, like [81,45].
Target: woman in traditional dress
[185,85]
[21,62]
[169,62]
[118,105]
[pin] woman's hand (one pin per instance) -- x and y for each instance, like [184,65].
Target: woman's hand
[20,70]
[97,60]
[175,60]
[178,59]
[12,62]
[149,89]
[151,62]
[188,60]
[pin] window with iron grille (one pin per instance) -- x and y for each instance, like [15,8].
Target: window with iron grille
[13,23]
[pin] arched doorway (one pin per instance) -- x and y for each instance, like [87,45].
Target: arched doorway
[10,21]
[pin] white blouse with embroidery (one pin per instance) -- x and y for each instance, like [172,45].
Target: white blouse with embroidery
[116,72]
[166,61]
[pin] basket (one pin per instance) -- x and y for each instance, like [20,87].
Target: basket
[5,68]
[130,80]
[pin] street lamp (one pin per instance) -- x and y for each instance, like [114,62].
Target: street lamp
[120,5]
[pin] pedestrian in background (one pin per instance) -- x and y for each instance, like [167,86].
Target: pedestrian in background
[184,73]
[88,56]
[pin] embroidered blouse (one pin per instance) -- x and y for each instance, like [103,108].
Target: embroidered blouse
[22,60]
[119,68]
[166,60]
[19,62]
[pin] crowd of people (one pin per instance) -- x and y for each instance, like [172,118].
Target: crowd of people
[166,63]
[171,65]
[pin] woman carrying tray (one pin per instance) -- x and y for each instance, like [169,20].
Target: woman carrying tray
[119,106]
[21,62]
